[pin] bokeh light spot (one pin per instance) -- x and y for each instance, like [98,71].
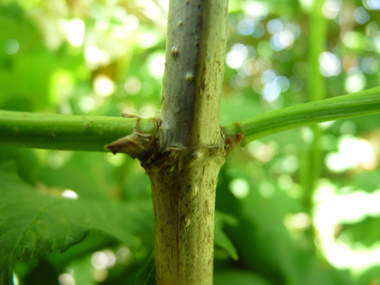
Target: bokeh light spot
[355,82]
[330,64]
[361,15]
[11,46]
[132,85]
[372,4]
[236,56]
[103,86]
[66,279]
[156,65]
[331,8]
[275,26]
[352,152]
[75,32]
[70,194]
[239,187]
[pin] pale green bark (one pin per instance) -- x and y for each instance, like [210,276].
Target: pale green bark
[184,169]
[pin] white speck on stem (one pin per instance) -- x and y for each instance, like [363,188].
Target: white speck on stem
[190,76]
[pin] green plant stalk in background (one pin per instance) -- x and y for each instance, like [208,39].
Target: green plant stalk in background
[311,156]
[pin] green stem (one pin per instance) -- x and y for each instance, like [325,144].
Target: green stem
[311,154]
[353,105]
[66,132]
[318,31]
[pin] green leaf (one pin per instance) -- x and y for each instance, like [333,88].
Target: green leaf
[31,223]
[147,275]
[220,238]
[238,277]
[368,181]
[366,232]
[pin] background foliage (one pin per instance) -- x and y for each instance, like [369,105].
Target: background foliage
[107,58]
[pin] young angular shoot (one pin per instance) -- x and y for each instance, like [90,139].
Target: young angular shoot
[353,105]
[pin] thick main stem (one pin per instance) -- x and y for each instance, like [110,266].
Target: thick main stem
[183,190]
[195,57]
[190,152]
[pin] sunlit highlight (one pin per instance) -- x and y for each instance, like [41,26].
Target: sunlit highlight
[148,111]
[236,56]
[151,10]
[86,104]
[372,4]
[70,194]
[16,281]
[289,164]
[307,5]
[103,259]
[117,159]
[157,65]
[273,85]
[256,9]
[299,221]
[353,152]
[96,57]
[355,82]
[66,279]
[75,32]
[147,39]
[352,39]
[353,207]
[164,4]
[103,86]
[330,64]
[240,188]
[131,22]
[262,152]
[331,9]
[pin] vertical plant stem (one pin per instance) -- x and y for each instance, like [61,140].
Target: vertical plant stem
[311,160]
[190,152]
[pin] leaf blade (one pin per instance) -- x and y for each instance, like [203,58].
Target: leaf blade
[31,223]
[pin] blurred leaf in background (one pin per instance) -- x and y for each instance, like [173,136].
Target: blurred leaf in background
[107,58]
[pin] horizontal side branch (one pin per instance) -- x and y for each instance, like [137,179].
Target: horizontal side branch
[67,132]
[353,105]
